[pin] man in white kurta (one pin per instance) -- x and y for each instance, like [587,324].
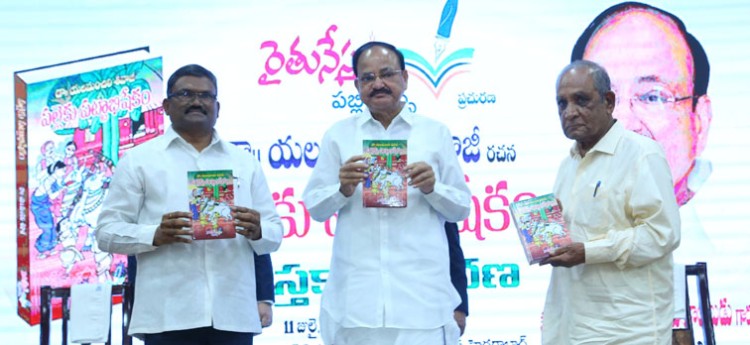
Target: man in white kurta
[187,291]
[389,279]
[613,285]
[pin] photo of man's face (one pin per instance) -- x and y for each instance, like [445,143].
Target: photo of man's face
[651,68]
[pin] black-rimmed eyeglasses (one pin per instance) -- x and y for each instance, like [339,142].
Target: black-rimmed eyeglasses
[187,96]
[390,75]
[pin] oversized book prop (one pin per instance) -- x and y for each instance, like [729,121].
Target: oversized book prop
[74,120]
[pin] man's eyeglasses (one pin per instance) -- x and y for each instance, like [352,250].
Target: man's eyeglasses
[655,99]
[390,75]
[187,96]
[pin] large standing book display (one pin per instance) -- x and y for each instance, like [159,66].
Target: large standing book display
[73,122]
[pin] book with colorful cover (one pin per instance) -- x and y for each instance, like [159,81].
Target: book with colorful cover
[211,195]
[386,181]
[540,225]
[73,122]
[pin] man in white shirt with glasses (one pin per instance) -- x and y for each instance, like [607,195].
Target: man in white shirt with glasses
[190,292]
[389,279]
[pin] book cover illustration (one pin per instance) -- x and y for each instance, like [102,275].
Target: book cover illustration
[211,195]
[73,122]
[540,225]
[385,184]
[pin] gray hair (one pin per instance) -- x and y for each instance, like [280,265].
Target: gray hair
[602,83]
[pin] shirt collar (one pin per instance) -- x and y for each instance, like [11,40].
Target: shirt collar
[405,115]
[170,136]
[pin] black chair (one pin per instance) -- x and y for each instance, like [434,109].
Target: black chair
[49,293]
[700,271]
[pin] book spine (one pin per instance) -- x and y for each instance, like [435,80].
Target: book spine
[23,271]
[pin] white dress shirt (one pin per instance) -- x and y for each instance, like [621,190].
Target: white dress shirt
[182,286]
[390,266]
[619,201]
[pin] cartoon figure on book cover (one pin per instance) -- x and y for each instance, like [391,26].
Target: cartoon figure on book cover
[385,184]
[65,205]
[210,202]
[542,230]
[72,131]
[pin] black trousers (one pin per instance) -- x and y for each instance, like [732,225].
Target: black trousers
[199,336]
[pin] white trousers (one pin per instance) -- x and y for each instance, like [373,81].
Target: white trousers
[333,334]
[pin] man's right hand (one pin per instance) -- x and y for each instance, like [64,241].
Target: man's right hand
[460,318]
[171,228]
[351,174]
[265,310]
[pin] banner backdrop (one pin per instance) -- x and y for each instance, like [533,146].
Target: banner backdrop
[487,69]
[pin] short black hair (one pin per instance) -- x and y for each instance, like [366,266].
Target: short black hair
[192,70]
[701,68]
[368,45]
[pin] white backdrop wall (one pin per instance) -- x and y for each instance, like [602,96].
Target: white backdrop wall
[506,57]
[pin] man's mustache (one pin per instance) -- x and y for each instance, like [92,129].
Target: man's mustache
[383,91]
[195,108]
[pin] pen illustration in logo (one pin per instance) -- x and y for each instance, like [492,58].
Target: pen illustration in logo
[435,77]
[445,25]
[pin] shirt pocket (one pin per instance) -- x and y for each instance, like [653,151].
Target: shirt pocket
[599,203]
[242,179]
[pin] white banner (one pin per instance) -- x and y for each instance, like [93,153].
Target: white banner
[485,68]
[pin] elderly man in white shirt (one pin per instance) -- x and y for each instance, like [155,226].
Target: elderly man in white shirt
[389,279]
[613,285]
[189,292]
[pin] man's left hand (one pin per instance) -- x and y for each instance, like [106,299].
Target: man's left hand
[460,318]
[247,222]
[421,176]
[266,314]
[568,256]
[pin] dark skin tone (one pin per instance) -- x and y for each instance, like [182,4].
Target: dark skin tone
[383,99]
[585,116]
[460,318]
[194,121]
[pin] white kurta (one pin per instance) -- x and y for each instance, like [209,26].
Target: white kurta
[390,266]
[182,286]
[618,200]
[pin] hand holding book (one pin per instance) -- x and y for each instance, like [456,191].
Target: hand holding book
[351,174]
[247,222]
[568,256]
[421,176]
[172,229]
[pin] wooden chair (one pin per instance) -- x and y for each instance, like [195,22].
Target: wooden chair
[49,293]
